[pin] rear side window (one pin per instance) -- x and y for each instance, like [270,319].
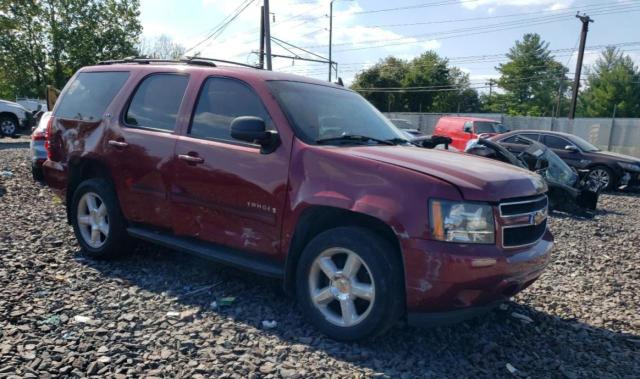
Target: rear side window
[221,100]
[156,103]
[514,139]
[89,95]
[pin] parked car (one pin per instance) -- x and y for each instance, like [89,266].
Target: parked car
[409,130]
[610,170]
[463,129]
[569,190]
[297,179]
[37,147]
[13,117]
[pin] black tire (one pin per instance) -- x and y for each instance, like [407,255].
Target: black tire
[380,258]
[603,169]
[8,125]
[118,242]
[37,174]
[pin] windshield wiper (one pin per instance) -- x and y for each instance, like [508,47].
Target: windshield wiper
[355,138]
[398,140]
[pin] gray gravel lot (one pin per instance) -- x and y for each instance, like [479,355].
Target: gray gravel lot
[63,314]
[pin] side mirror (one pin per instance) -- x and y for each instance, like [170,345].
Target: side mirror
[468,129]
[571,148]
[253,130]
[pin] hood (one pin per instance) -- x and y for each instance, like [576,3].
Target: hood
[478,179]
[618,156]
[11,104]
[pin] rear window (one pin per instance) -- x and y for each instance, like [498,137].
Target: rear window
[89,94]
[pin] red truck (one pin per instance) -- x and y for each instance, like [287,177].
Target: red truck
[294,178]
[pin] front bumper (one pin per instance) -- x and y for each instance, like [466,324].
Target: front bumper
[451,282]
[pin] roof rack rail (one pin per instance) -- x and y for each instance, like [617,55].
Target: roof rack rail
[188,60]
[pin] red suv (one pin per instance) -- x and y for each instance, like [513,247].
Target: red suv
[297,179]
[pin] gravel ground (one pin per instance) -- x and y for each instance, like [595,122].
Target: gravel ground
[63,314]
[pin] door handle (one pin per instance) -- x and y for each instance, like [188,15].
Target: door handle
[190,159]
[120,144]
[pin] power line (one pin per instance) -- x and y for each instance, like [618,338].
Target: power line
[224,23]
[471,31]
[585,7]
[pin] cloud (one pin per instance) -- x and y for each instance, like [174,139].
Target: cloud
[551,4]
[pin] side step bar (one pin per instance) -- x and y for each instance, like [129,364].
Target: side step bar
[216,253]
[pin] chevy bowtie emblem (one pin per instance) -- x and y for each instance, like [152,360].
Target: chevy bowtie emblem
[539,217]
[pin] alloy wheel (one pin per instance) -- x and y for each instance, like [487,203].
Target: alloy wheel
[344,295]
[8,127]
[601,177]
[93,220]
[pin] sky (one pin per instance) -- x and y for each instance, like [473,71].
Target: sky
[473,34]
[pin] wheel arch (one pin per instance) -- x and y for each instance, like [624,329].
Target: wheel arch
[11,115]
[81,169]
[317,219]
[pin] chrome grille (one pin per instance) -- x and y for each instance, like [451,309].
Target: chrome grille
[524,222]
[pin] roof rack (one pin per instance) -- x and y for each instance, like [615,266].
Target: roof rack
[202,61]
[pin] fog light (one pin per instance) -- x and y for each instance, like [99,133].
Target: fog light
[483,262]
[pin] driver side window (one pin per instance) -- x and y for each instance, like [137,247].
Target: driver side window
[221,100]
[554,142]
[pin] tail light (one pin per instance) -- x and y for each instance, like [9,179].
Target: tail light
[48,140]
[38,136]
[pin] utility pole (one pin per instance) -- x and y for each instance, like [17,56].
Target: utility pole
[330,36]
[576,81]
[267,33]
[261,56]
[490,83]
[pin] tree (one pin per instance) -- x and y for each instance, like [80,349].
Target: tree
[441,88]
[614,81]
[387,73]
[532,79]
[45,41]
[162,47]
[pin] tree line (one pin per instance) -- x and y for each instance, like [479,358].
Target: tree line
[531,83]
[44,42]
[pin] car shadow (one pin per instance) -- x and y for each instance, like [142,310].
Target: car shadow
[542,345]
[12,144]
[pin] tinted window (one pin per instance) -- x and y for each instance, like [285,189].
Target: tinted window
[88,96]
[221,100]
[157,101]
[488,127]
[514,139]
[556,142]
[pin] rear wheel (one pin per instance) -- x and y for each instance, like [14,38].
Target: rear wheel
[602,176]
[97,220]
[349,283]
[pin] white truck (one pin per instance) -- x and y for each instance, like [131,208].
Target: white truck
[13,117]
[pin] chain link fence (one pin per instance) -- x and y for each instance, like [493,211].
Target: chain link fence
[621,135]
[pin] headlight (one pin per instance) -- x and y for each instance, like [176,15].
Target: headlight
[633,167]
[461,222]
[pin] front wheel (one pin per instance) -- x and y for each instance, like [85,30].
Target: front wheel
[8,126]
[602,176]
[349,283]
[97,220]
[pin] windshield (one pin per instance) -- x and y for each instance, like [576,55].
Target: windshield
[583,145]
[321,112]
[489,127]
